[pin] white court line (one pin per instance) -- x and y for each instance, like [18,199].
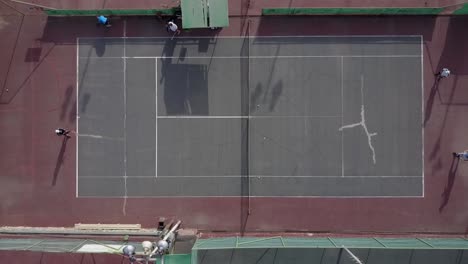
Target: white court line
[248,117]
[239,176]
[77,109]
[264,37]
[422,109]
[124,206]
[156,119]
[261,57]
[231,196]
[298,56]
[240,117]
[342,117]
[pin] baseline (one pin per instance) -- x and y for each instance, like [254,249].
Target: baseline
[260,57]
[253,176]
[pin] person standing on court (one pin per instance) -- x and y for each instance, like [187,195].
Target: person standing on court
[444,73]
[172,27]
[102,20]
[462,155]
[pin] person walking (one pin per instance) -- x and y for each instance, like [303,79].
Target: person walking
[62,132]
[461,155]
[102,20]
[444,73]
[172,27]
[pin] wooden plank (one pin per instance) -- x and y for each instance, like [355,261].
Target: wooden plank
[108,226]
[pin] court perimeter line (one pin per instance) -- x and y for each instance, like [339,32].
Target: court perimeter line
[156,117]
[77,113]
[231,196]
[342,114]
[252,176]
[263,37]
[239,117]
[124,206]
[262,57]
[422,109]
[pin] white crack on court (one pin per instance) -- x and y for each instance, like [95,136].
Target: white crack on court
[363,122]
[124,205]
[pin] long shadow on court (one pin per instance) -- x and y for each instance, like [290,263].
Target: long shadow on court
[60,159]
[450,181]
[245,133]
[430,101]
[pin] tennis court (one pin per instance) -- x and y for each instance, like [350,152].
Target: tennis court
[322,116]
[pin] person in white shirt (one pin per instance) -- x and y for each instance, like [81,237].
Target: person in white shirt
[444,73]
[461,155]
[172,27]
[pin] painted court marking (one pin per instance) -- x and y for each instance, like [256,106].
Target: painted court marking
[362,123]
[254,196]
[77,110]
[422,110]
[124,205]
[265,37]
[156,120]
[252,176]
[257,57]
[239,117]
[342,116]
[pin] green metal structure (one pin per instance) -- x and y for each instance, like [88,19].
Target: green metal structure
[204,13]
[275,250]
[330,250]
[329,242]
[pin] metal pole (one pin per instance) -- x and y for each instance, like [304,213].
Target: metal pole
[173,229]
[353,256]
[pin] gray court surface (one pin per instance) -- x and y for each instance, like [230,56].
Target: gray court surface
[260,116]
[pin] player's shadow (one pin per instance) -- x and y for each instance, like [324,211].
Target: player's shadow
[66,102]
[60,159]
[84,101]
[185,86]
[430,100]
[186,89]
[99,47]
[167,54]
[450,181]
[276,92]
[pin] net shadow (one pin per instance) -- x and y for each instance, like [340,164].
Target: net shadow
[245,111]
